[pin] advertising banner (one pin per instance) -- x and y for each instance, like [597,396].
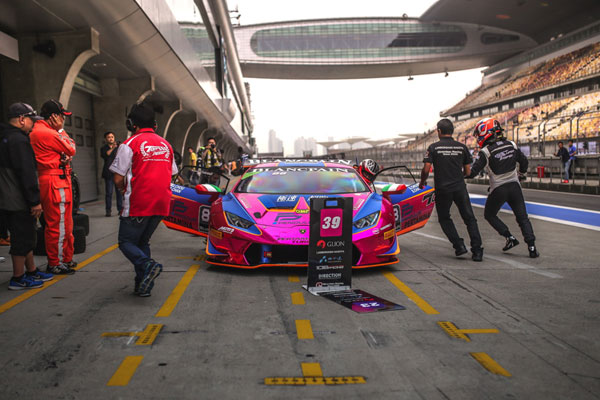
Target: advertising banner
[330,245]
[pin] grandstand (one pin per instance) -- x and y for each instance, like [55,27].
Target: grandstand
[541,96]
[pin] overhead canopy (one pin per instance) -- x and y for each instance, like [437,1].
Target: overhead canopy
[330,143]
[539,19]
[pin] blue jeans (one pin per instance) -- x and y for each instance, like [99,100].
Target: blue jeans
[109,186]
[134,240]
[567,166]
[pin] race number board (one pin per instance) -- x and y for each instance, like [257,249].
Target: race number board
[330,245]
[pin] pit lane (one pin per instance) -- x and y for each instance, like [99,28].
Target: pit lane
[209,332]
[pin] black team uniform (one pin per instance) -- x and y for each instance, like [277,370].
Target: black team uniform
[449,158]
[500,158]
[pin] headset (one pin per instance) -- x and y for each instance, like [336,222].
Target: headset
[130,125]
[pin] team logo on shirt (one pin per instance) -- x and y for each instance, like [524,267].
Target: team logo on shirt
[149,151]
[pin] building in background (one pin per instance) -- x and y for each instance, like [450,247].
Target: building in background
[275,144]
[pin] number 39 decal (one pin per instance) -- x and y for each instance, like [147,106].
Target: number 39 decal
[331,223]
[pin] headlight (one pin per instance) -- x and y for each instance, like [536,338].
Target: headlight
[366,221]
[237,221]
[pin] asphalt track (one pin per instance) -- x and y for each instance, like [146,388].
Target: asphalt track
[510,327]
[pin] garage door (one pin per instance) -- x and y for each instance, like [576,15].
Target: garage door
[81,128]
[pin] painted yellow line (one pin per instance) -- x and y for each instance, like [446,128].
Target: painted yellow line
[125,371]
[453,331]
[95,257]
[468,331]
[423,305]
[293,278]
[304,329]
[176,294]
[120,334]
[31,292]
[147,337]
[311,369]
[315,380]
[297,298]
[490,364]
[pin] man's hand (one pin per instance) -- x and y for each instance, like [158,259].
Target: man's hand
[55,122]
[422,184]
[36,211]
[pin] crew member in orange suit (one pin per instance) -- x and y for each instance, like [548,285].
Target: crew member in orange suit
[54,150]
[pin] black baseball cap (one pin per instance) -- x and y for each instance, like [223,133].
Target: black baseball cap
[53,107]
[17,109]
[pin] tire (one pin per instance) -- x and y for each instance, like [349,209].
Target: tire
[79,239]
[40,247]
[82,220]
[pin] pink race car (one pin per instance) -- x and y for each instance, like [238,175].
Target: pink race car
[264,219]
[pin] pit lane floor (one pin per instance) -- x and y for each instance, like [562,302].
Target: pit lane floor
[510,327]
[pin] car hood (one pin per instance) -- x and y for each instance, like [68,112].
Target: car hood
[289,210]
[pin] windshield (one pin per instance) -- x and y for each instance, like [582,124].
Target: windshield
[301,180]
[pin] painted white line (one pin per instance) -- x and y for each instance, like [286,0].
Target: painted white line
[549,219]
[512,263]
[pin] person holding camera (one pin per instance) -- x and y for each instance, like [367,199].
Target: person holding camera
[108,153]
[54,149]
[500,158]
[212,158]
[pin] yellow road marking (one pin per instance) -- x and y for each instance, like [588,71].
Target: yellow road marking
[95,257]
[125,371]
[454,332]
[490,364]
[468,331]
[176,294]
[304,329]
[311,369]
[423,305]
[145,337]
[315,380]
[293,278]
[119,334]
[31,292]
[297,298]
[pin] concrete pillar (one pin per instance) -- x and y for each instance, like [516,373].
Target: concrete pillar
[38,77]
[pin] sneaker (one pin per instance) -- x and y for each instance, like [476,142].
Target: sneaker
[136,290]
[460,250]
[477,254]
[533,253]
[24,282]
[61,269]
[71,264]
[40,276]
[108,214]
[5,242]
[153,270]
[511,242]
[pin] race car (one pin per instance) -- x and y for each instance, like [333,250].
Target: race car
[264,220]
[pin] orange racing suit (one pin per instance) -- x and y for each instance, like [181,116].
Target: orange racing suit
[55,190]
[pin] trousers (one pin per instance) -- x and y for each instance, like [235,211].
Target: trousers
[512,194]
[109,187]
[134,241]
[56,197]
[460,197]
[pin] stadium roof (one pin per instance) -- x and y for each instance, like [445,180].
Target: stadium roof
[539,19]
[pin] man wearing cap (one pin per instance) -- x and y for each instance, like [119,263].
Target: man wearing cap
[54,150]
[20,195]
[142,172]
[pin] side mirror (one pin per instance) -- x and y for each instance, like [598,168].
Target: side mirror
[207,188]
[393,188]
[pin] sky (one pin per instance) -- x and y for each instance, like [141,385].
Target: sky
[376,108]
